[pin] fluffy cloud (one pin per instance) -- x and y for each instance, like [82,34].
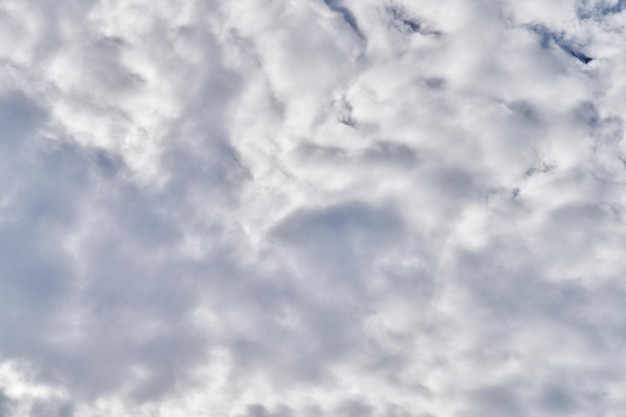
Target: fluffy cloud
[325,207]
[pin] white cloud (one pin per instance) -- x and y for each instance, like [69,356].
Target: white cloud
[276,208]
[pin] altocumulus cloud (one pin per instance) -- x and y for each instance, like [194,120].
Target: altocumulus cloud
[372,208]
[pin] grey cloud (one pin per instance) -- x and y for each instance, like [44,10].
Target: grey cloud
[5,405]
[20,116]
[52,409]
[557,400]
[126,275]
[341,239]
[396,154]
[276,209]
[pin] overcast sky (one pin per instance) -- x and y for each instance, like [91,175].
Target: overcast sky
[312,208]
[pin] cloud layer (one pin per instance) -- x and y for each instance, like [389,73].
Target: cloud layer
[318,208]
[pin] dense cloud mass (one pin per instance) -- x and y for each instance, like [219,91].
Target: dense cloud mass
[311,208]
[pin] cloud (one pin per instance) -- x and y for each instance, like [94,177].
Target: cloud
[315,208]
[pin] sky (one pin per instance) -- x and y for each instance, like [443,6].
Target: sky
[312,208]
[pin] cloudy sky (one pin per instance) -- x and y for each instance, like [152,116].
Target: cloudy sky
[312,208]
